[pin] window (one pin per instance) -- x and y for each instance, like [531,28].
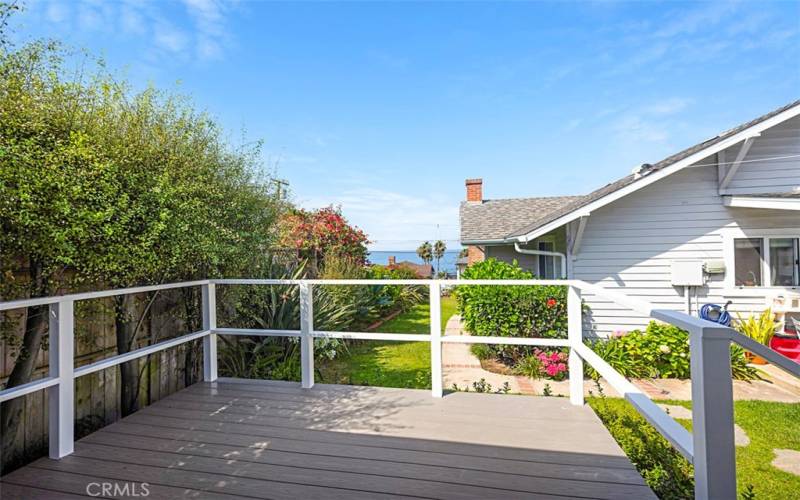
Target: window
[747,261]
[547,263]
[768,261]
[783,261]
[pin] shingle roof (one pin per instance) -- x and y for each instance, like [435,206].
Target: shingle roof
[582,201]
[494,219]
[422,270]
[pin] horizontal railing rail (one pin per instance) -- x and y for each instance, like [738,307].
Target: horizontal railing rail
[709,345]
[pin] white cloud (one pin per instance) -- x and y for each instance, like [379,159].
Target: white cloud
[668,106]
[649,122]
[132,21]
[200,34]
[573,124]
[170,38]
[57,13]
[209,19]
[393,220]
[634,128]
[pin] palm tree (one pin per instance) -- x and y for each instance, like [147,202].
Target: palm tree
[425,252]
[439,248]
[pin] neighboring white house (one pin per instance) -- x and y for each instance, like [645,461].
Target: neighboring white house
[718,221]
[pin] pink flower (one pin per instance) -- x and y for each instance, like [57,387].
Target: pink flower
[562,367]
[552,370]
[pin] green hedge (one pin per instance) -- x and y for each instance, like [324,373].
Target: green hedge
[511,311]
[666,472]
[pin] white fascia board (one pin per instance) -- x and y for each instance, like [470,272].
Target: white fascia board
[745,201]
[660,174]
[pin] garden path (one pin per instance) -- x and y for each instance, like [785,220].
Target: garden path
[739,435]
[760,390]
[461,367]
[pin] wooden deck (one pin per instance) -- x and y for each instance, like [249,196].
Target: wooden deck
[253,439]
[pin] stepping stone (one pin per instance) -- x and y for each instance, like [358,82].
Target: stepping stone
[740,437]
[787,461]
[677,411]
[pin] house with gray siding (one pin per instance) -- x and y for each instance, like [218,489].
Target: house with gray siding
[717,222]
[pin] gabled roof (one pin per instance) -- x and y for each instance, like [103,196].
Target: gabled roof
[629,180]
[493,220]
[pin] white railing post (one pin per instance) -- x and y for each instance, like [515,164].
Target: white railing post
[306,340]
[575,337]
[436,338]
[62,396]
[712,414]
[210,340]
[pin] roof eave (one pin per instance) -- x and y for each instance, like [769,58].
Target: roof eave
[496,241]
[655,176]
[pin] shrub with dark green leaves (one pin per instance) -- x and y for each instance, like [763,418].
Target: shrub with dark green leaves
[511,311]
[666,472]
[661,351]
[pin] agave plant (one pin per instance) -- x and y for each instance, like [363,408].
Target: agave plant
[276,307]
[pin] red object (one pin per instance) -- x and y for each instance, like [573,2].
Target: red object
[551,303]
[789,347]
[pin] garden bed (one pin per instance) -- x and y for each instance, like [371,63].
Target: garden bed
[769,426]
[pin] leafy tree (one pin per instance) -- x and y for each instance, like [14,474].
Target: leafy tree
[100,186]
[439,248]
[425,252]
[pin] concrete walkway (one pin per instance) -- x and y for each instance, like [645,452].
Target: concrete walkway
[461,367]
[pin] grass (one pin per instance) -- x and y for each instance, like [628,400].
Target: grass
[390,364]
[769,426]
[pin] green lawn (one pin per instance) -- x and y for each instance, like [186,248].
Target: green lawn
[768,425]
[389,364]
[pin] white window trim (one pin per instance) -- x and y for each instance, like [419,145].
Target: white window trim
[731,234]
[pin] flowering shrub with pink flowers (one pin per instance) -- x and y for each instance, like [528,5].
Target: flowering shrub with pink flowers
[554,364]
[315,233]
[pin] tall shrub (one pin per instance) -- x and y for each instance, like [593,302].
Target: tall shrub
[511,311]
[101,186]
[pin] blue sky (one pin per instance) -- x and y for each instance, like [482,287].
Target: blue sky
[385,108]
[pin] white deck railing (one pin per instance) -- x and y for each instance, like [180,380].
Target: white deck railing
[710,447]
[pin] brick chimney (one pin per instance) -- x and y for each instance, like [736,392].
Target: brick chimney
[475,190]
[391,260]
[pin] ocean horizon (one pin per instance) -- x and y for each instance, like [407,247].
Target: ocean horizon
[447,262]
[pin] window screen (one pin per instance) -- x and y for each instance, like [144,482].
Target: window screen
[783,261]
[747,261]
[547,264]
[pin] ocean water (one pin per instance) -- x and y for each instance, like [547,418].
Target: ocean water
[447,263]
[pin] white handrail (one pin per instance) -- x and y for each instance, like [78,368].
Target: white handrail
[672,431]
[710,361]
[765,352]
[53,299]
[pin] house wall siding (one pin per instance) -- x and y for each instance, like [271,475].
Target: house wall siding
[758,175]
[507,253]
[632,242]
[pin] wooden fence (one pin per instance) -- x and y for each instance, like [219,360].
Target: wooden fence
[97,395]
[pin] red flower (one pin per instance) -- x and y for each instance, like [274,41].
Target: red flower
[551,303]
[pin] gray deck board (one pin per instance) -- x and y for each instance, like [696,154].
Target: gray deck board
[255,439]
